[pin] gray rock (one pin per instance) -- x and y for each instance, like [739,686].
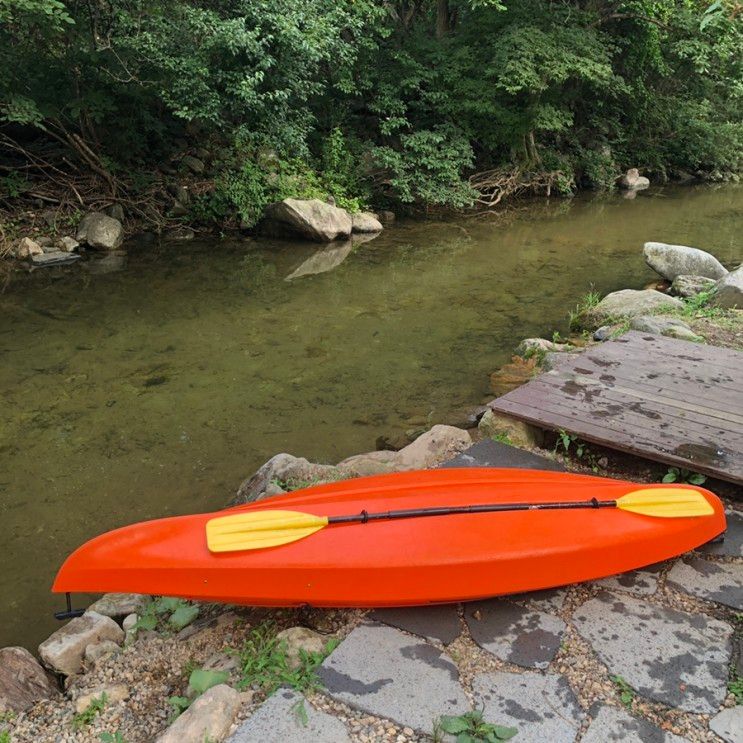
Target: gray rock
[119,604]
[208,718]
[729,290]
[644,581]
[110,262]
[541,706]
[385,216]
[490,453]
[515,633]
[98,230]
[23,682]
[68,244]
[284,468]
[614,724]
[732,544]
[603,333]
[690,286]
[433,447]
[65,649]
[669,656]
[440,622]
[311,219]
[550,600]
[662,325]
[54,258]
[711,581]
[193,164]
[365,222]
[671,261]
[27,248]
[116,211]
[633,181]
[728,724]
[554,361]
[286,717]
[325,259]
[180,234]
[630,303]
[531,346]
[385,672]
[98,651]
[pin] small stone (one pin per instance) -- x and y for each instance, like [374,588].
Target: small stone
[114,693]
[120,604]
[68,244]
[28,248]
[98,230]
[23,682]
[98,651]
[299,639]
[65,649]
[286,717]
[633,181]
[365,222]
[129,621]
[603,333]
[193,164]
[385,216]
[54,258]
[180,234]
[729,290]
[209,717]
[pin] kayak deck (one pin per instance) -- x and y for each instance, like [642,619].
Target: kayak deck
[397,563]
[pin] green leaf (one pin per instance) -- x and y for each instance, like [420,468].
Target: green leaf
[669,477]
[183,616]
[467,738]
[697,479]
[200,680]
[146,622]
[167,604]
[454,725]
[503,732]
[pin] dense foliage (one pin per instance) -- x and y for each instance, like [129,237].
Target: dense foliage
[394,102]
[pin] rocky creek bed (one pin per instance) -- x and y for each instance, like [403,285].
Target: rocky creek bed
[652,655]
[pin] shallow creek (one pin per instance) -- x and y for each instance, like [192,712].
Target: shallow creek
[154,389]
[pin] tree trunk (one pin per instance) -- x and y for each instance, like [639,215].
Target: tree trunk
[442,18]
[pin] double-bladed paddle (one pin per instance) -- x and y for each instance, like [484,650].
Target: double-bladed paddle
[262,529]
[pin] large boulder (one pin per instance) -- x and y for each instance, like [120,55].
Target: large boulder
[119,604]
[311,219]
[98,230]
[365,222]
[729,290]
[65,649]
[23,682]
[629,303]
[633,181]
[208,718]
[671,261]
[671,327]
[432,448]
[284,469]
[515,432]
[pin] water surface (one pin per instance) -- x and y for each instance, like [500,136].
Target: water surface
[155,389]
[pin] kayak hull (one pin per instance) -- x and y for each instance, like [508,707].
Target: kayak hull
[397,563]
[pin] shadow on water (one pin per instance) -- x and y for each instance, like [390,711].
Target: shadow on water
[150,383]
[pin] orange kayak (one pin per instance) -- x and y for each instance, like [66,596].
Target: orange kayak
[401,562]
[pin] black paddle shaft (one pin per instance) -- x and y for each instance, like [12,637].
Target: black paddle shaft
[364,516]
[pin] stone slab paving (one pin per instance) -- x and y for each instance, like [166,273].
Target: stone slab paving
[613,724]
[551,600]
[489,453]
[541,706]
[728,724]
[286,717]
[515,633]
[732,545]
[440,623]
[666,655]
[643,581]
[385,672]
[713,581]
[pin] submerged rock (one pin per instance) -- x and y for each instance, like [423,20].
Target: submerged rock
[671,261]
[311,219]
[729,290]
[54,258]
[325,259]
[23,682]
[633,181]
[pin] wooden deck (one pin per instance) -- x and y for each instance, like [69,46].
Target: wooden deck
[668,400]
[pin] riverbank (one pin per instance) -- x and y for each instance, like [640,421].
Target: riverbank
[583,685]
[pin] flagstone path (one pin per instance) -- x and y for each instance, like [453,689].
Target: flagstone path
[646,656]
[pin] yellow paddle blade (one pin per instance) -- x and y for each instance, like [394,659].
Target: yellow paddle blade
[260,529]
[668,503]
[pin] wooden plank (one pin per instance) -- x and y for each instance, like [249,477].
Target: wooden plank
[673,401]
